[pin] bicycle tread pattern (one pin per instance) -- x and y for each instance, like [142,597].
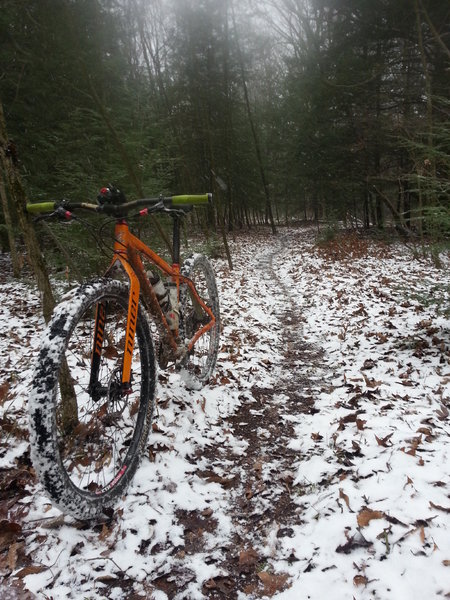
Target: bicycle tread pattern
[42,403]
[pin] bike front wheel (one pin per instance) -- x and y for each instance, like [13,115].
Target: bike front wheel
[201,360]
[87,438]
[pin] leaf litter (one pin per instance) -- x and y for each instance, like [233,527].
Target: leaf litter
[316,459]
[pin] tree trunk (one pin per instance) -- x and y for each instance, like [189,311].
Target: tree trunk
[17,192]
[18,196]
[10,230]
[428,89]
[255,137]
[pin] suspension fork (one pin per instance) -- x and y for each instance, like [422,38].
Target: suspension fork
[122,238]
[100,320]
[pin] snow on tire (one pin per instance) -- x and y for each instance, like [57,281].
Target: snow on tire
[200,362]
[87,461]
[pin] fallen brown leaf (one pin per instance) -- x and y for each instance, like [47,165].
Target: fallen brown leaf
[381,337]
[215,478]
[272,583]
[384,441]
[356,446]
[442,414]
[438,507]
[287,478]
[350,418]
[424,324]
[258,468]
[4,388]
[10,527]
[422,534]
[409,481]
[106,578]
[105,532]
[221,583]
[249,493]
[371,383]
[415,442]
[360,424]
[424,430]
[111,352]
[31,570]
[360,580]
[367,514]
[12,555]
[248,559]
[407,383]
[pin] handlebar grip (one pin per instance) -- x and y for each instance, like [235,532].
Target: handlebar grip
[41,207]
[192,199]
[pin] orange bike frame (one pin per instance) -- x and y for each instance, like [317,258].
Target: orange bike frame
[127,251]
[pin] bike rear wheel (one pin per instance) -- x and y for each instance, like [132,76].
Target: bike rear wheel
[201,360]
[86,440]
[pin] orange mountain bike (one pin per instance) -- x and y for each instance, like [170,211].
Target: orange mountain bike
[93,391]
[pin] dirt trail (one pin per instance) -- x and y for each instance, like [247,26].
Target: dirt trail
[259,481]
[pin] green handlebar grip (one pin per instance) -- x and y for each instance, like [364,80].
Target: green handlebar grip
[194,199]
[41,207]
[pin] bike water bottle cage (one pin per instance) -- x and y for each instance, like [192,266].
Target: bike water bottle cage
[111,195]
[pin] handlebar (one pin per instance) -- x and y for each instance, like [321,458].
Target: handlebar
[160,204]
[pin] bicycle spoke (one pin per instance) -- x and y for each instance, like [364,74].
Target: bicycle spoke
[93,453]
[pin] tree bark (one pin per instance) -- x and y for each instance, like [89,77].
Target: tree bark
[18,196]
[10,230]
[9,163]
[428,89]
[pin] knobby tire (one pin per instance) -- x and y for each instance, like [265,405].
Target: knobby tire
[86,463]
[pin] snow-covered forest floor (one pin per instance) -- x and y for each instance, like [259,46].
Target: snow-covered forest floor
[315,464]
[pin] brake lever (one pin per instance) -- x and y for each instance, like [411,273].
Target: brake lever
[59,213]
[161,208]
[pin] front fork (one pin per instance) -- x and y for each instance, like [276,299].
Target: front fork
[95,389]
[99,331]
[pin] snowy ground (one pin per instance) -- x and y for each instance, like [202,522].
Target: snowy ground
[315,464]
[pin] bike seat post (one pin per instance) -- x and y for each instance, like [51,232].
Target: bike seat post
[176,239]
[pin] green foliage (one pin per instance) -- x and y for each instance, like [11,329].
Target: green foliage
[151,96]
[354,86]
[57,56]
[430,181]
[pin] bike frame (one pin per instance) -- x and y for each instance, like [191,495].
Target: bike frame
[127,252]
